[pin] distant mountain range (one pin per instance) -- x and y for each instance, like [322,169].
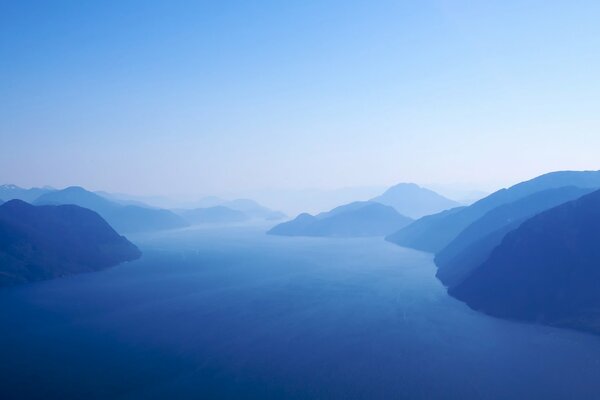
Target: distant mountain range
[433,233]
[547,270]
[414,201]
[38,243]
[10,192]
[219,211]
[354,219]
[124,218]
[132,214]
[214,215]
[529,252]
[253,209]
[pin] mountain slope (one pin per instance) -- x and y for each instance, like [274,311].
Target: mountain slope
[253,209]
[421,234]
[433,233]
[44,242]
[10,192]
[354,219]
[414,201]
[124,218]
[472,246]
[547,270]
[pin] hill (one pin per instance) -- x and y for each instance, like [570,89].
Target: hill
[252,209]
[414,201]
[11,192]
[547,270]
[433,233]
[354,219]
[474,244]
[38,243]
[124,218]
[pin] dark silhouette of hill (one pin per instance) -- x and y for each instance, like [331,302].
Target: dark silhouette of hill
[354,219]
[433,233]
[124,218]
[10,192]
[214,215]
[414,201]
[44,242]
[474,244]
[547,270]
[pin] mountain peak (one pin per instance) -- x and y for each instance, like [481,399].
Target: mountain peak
[415,201]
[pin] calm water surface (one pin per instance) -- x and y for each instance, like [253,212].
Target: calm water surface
[233,313]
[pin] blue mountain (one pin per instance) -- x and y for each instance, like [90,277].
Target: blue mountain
[124,218]
[474,244]
[10,192]
[414,201]
[214,215]
[433,233]
[252,209]
[354,219]
[44,242]
[547,270]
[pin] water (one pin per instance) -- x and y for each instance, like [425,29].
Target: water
[209,314]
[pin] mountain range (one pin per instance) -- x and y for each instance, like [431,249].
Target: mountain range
[214,215]
[124,218]
[350,220]
[44,242]
[433,233]
[474,244]
[414,201]
[547,270]
[10,192]
[218,211]
[530,252]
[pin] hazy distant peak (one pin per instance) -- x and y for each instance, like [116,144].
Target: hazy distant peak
[361,218]
[10,186]
[124,218]
[415,201]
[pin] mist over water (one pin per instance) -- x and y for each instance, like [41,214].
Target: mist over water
[233,313]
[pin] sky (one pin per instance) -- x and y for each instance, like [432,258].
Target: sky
[190,98]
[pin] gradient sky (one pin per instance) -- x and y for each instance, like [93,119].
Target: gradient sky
[177,97]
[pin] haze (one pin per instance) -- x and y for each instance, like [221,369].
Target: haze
[198,98]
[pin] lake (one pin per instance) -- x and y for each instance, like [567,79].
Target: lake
[236,314]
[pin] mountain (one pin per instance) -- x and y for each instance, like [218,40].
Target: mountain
[354,219]
[414,201]
[208,201]
[547,270]
[44,242]
[421,234]
[10,192]
[474,244]
[433,233]
[250,208]
[124,218]
[253,209]
[122,199]
[217,214]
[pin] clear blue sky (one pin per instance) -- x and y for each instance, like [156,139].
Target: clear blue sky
[180,97]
